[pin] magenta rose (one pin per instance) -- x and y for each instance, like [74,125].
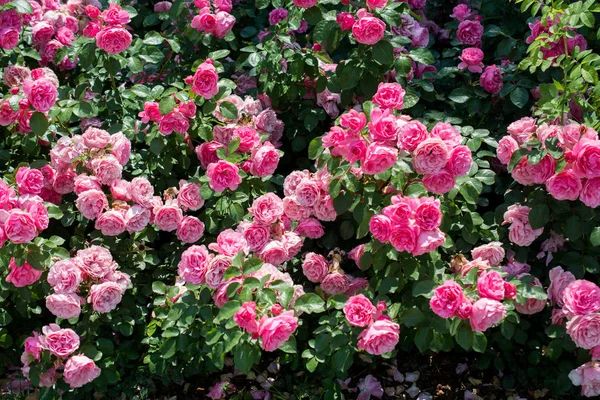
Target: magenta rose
[447,299]
[42,94]
[379,338]
[491,285]
[193,264]
[359,311]
[485,314]
[275,331]
[380,227]
[459,161]
[469,32]
[411,135]
[264,160]
[257,236]
[368,30]
[80,370]
[590,193]
[439,183]
[64,306]
[430,156]
[471,59]
[60,342]
[113,39]
[404,237]
[245,317]
[207,153]
[587,163]
[223,175]
[315,267]
[190,229]
[22,276]
[491,79]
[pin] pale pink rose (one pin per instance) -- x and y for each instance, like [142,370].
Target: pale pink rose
[447,299]
[379,338]
[120,190]
[564,186]
[223,24]
[379,158]
[292,180]
[491,285]
[356,253]
[136,218]
[29,181]
[266,121]
[588,377]
[506,147]
[120,278]
[469,32]
[292,243]
[380,227]
[190,229]
[64,305]
[96,138]
[267,209]
[439,183]
[335,283]
[581,297]
[229,243]
[223,175]
[307,192]
[522,234]
[113,39]
[141,191]
[357,284]
[471,59]
[491,79]
[428,241]
[33,346]
[168,217]
[274,253]
[80,370]
[324,210]
[216,269]
[459,161]
[15,75]
[430,156]
[22,276]
[92,203]
[447,133]
[121,147]
[275,331]
[590,193]
[310,228]
[107,169]
[245,317]
[359,311]
[65,276]
[571,134]
[84,182]
[389,95]
[585,330]
[205,80]
[111,223]
[60,342]
[96,261]
[492,252]
[105,296]
[38,211]
[42,94]
[411,135]
[294,210]
[368,30]
[559,280]
[193,264]
[64,183]
[485,314]
[256,236]
[20,227]
[315,267]
[264,160]
[522,129]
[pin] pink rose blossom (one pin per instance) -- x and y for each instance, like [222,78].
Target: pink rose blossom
[430,156]
[588,377]
[80,370]
[471,59]
[585,330]
[491,285]
[389,95]
[315,267]
[65,276]
[111,223]
[581,297]
[267,209]
[205,80]
[64,305]
[564,186]
[492,252]
[310,228]
[245,317]
[559,281]
[113,39]
[359,311]
[485,314]
[447,299]
[439,183]
[590,193]
[335,283]
[20,227]
[380,227]
[190,229]
[92,203]
[223,175]
[60,342]
[105,296]
[491,79]
[379,338]
[275,331]
[506,147]
[379,158]
[469,32]
[368,30]
[22,276]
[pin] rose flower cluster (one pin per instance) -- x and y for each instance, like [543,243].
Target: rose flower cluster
[31,90]
[218,23]
[75,370]
[410,224]
[108,27]
[330,276]
[258,131]
[380,335]
[578,177]
[92,271]
[175,120]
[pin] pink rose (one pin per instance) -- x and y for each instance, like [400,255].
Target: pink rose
[264,160]
[345,20]
[190,229]
[256,236]
[105,296]
[447,299]
[587,163]
[305,3]
[491,79]
[590,193]
[80,370]
[141,191]
[492,252]
[111,223]
[310,228]
[245,317]
[588,377]
[223,24]
[95,261]
[215,270]
[32,346]
[585,330]
[205,80]
[389,95]
[379,338]
[581,297]
[469,32]
[404,237]
[249,138]
[506,147]
[42,94]
[267,209]
[307,192]
[22,276]
[559,281]
[193,264]
[223,175]
[174,121]
[531,306]
[293,210]
[113,39]
[92,203]
[29,181]
[168,217]
[491,285]
[379,158]
[459,161]
[96,138]
[380,227]
[84,182]
[564,186]
[7,114]
[60,342]
[374,4]
[64,305]
[383,126]
[335,283]
[430,156]
[42,32]
[275,331]
[107,169]
[9,38]
[120,190]
[65,276]
[324,210]
[359,311]
[461,12]
[428,241]
[439,183]
[522,129]
[274,253]
[20,227]
[207,153]
[292,180]
[485,314]
[64,183]
[471,59]
[136,218]
[447,133]
[428,215]
[368,30]
[315,267]
[229,243]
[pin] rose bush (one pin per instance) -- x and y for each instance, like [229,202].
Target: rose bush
[212,191]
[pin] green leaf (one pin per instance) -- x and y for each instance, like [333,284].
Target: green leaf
[595,237]
[412,317]
[383,52]
[153,38]
[460,95]
[516,157]
[589,73]
[519,97]
[539,216]
[159,287]
[166,105]
[315,148]
[38,123]
[422,55]
[245,356]
[309,303]
[229,110]
[464,336]
[22,6]
[402,65]
[423,288]
[479,342]
[573,228]
[228,310]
